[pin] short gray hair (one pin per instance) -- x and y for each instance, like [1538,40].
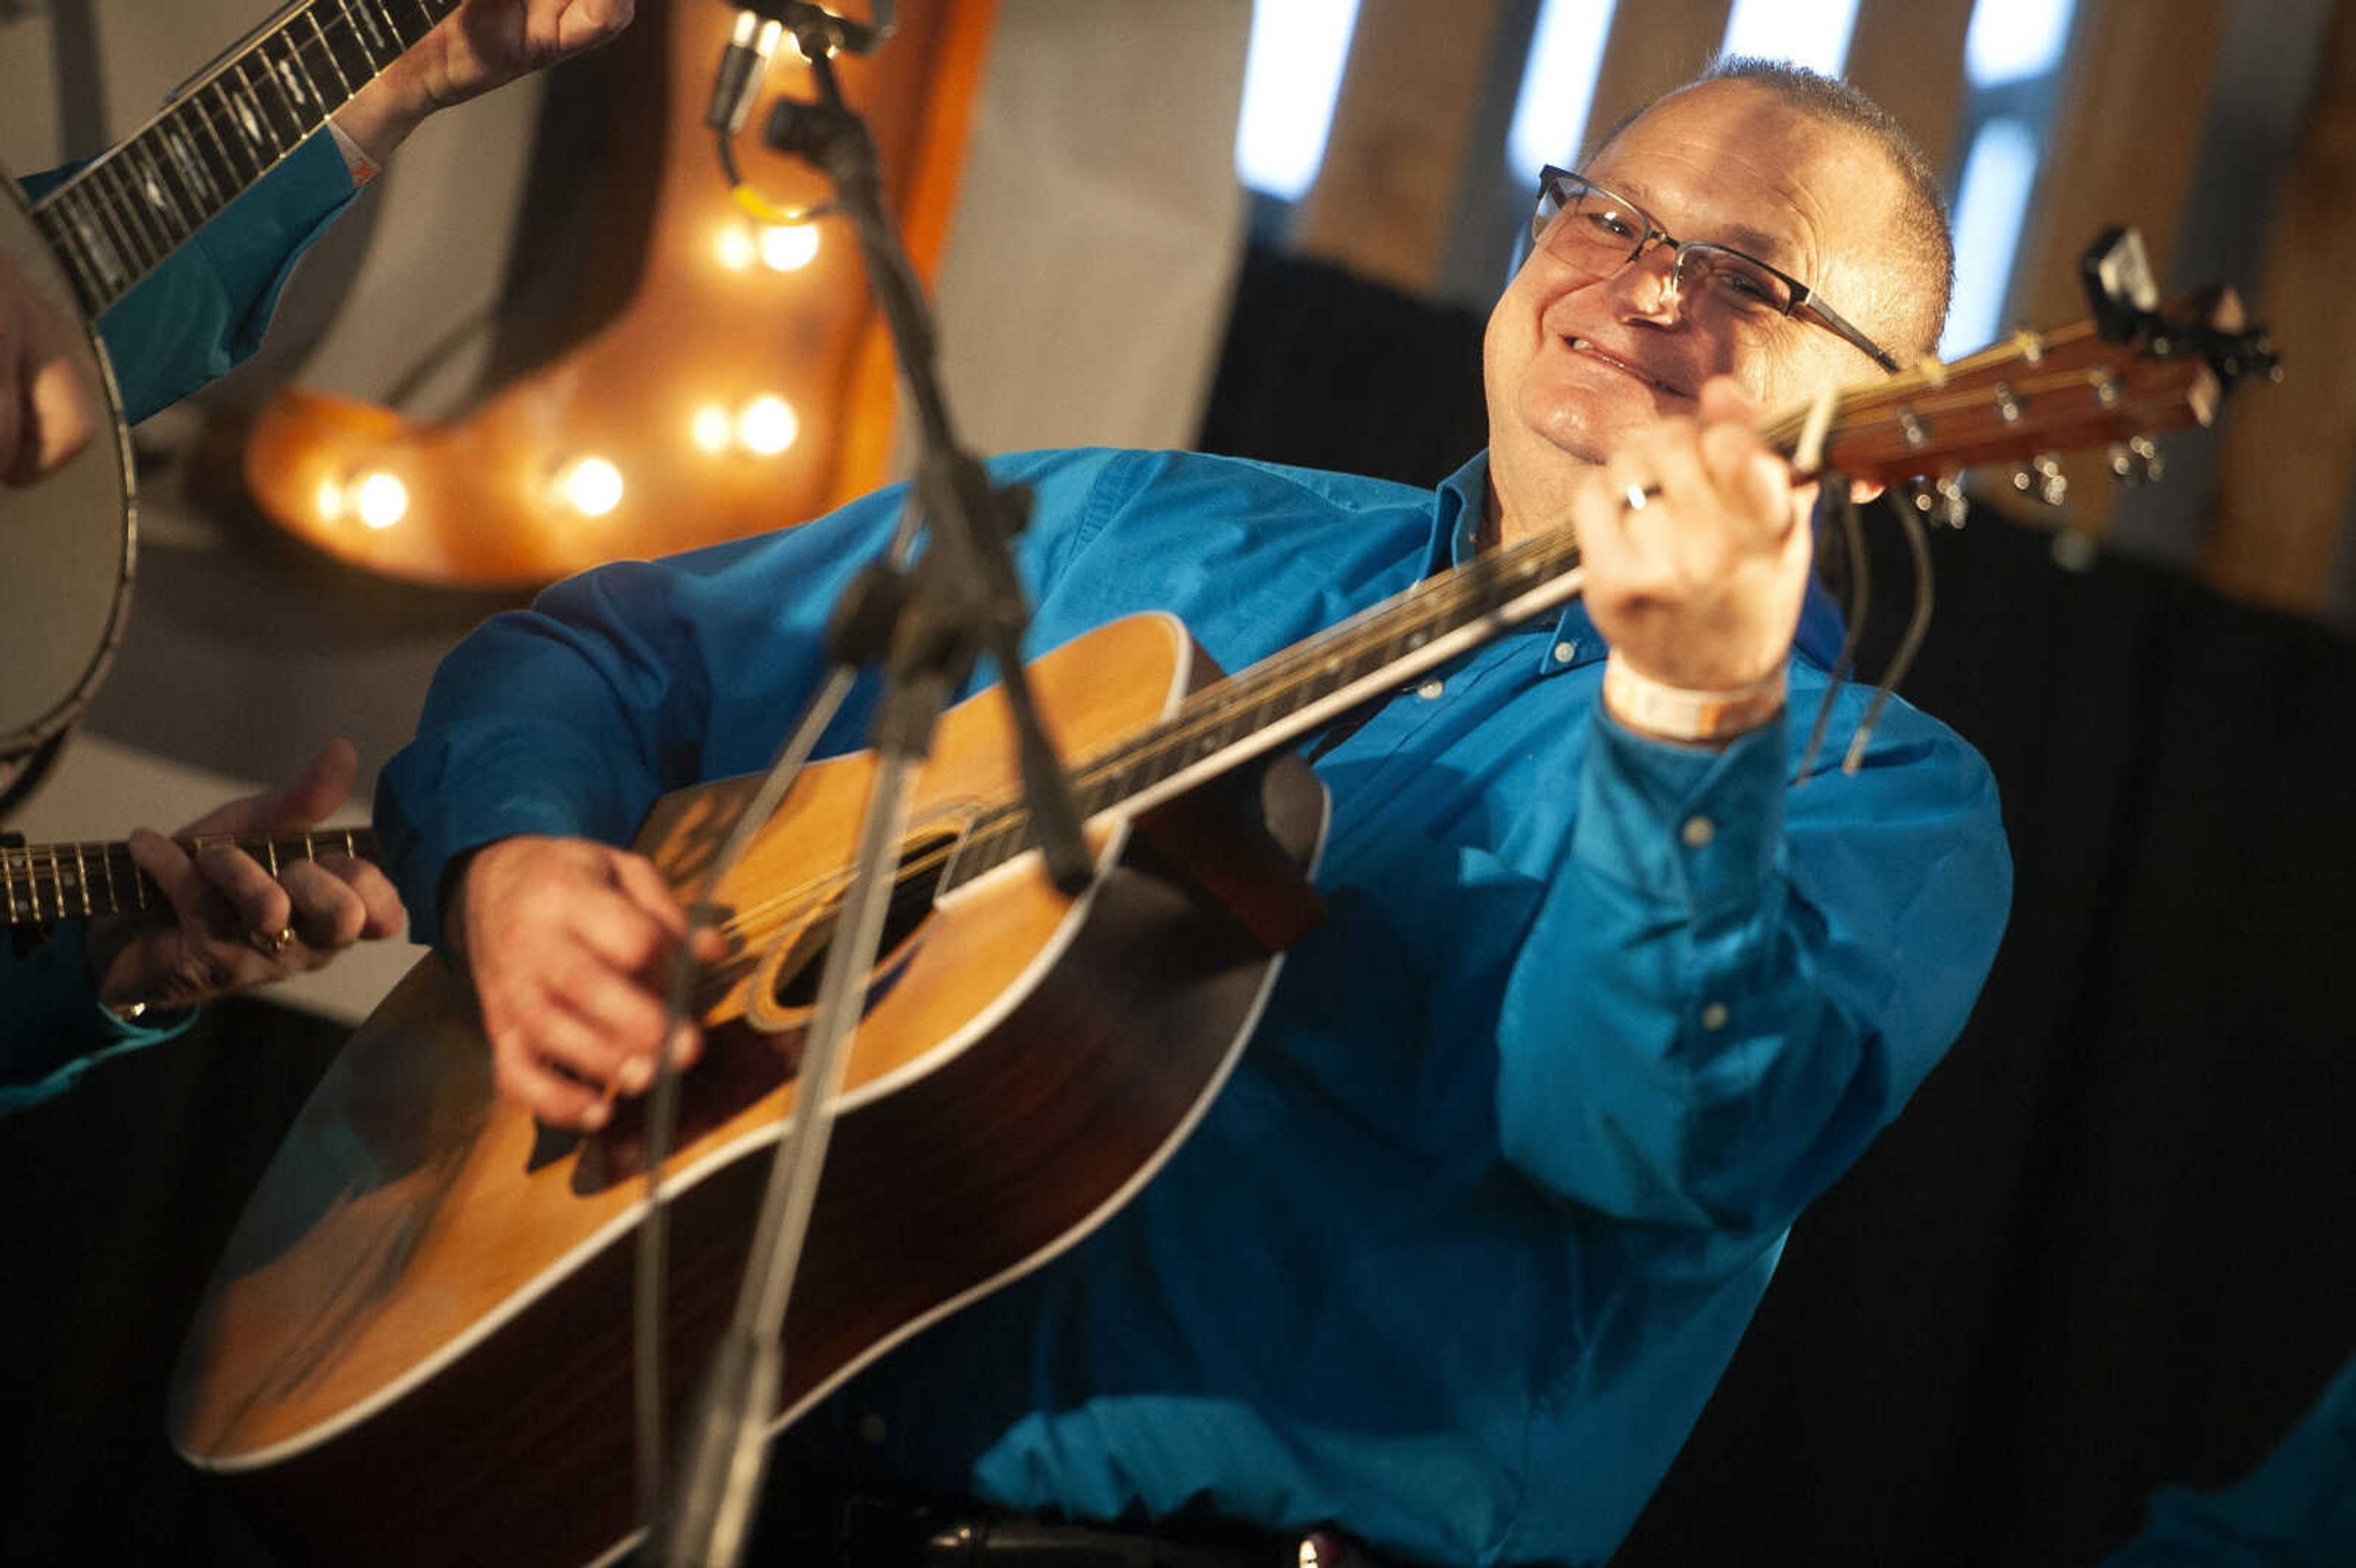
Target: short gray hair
[1925,242]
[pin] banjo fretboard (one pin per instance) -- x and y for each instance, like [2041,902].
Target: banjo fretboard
[116,219]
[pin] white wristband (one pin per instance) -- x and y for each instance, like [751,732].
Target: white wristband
[363,168]
[1678,713]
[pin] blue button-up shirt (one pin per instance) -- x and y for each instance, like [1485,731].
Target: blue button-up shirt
[1460,1251]
[202,310]
[2297,1509]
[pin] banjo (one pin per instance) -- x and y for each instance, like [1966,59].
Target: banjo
[70,543]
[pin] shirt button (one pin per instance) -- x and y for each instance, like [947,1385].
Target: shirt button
[1430,690]
[1713,1017]
[871,1430]
[1565,652]
[1698,831]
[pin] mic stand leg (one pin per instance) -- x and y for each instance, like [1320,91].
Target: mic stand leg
[961,598]
[729,1439]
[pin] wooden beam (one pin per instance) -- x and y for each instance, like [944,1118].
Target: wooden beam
[1653,47]
[2121,150]
[1386,191]
[1908,57]
[2290,456]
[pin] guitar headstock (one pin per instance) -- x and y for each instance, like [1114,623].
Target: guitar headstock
[2037,394]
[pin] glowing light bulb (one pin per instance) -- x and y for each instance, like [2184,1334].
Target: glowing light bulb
[590,486]
[381,500]
[735,247]
[768,426]
[788,247]
[711,429]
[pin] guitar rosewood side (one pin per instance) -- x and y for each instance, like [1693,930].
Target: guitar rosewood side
[957,1168]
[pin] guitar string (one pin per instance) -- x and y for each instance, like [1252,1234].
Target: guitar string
[1281,676]
[52,869]
[1215,705]
[338,26]
[999,815]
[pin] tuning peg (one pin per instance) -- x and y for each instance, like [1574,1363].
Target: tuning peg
[2136,461]
[1940,500]
[2042,478]
[2264,349]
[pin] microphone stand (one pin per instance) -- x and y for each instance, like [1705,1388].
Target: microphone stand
[926,624]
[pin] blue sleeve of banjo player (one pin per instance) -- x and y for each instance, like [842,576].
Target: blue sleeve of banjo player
[205,306]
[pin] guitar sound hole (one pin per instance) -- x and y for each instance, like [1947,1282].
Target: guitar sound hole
[921,869]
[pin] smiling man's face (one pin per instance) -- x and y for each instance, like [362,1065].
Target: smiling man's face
[1573,364]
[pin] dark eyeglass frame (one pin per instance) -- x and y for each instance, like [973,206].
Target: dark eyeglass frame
[1562,184]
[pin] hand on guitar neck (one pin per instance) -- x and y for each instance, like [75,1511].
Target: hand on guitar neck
[1693,537]
[49,409]
[229,923]
[484,45]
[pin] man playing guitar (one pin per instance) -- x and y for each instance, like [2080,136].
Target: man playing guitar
[1458,1253]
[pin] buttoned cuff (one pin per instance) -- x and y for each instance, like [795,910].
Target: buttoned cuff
[56,1027]
[1698,829]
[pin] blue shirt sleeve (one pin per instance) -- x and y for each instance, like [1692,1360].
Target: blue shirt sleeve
[1734,984]
[634,680]
[206,307]
[52,1021]
[2298,1510]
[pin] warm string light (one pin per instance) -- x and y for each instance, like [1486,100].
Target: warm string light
[376,499]
[768,426]
[779,247]
[589,485]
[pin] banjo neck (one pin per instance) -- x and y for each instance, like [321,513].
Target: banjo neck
[116,219]
[42,882]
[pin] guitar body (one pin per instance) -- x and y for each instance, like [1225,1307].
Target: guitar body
[68,542]
[426,1304]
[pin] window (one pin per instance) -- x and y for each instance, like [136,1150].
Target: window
[1811,33]
[1558,88]
[1292,74]
[2012,71]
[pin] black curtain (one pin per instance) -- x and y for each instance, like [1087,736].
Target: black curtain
[2109,1245]
[120,1194]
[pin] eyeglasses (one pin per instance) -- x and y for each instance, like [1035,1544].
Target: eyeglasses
[1582,225]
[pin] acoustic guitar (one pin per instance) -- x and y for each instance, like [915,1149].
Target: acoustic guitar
[71,543]
[423,1314]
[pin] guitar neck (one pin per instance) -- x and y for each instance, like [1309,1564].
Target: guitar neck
[1292,692]
[51,881]
[2063,390]
[115,221]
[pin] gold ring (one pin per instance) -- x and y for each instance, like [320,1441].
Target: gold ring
[270,944]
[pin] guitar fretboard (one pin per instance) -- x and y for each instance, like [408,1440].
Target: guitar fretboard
[51,881]
[114,221]
[1292,692]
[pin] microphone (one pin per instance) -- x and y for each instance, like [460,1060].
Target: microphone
[743,66]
